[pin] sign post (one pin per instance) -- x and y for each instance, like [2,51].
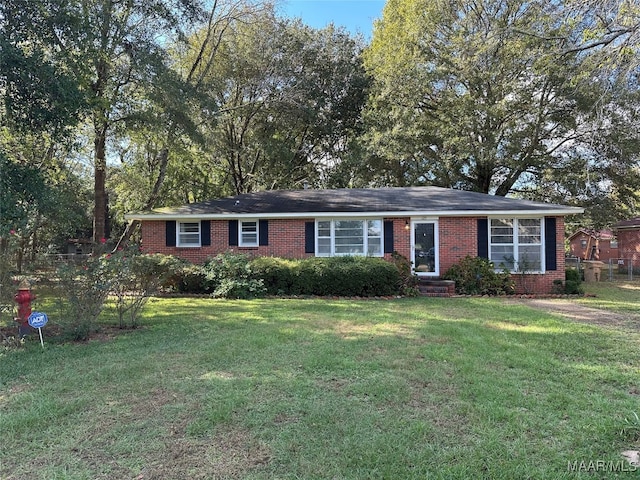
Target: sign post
[38,320]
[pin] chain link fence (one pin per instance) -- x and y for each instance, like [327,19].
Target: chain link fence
[614,269]
[623,268]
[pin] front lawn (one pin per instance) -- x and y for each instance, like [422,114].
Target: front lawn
[282,388]
[619,296]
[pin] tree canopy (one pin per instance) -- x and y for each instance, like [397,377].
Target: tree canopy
[158,102]
[474,103]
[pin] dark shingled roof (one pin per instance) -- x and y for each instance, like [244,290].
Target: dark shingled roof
[630,223]
[357,200]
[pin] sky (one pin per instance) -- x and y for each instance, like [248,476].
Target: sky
[356,16]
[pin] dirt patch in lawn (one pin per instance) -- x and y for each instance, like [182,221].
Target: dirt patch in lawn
[230,454]
[581,313]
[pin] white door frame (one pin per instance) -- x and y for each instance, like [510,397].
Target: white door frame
[436,244]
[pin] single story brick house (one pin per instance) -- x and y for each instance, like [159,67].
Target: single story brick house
[589,244]
[628,234]
[433,227]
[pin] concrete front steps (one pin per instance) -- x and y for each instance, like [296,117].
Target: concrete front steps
[436,288]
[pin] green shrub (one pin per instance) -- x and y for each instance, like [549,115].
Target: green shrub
[477,276]
[178,275]
[408,280]
[170,270]
[191,278]
[242,288]
[229,275]
[127,275]
[82,290]
[573,282]
[135,277]
[572,275]
[236,275]
[309,277]
[278,274]
[558,286]
[344,276]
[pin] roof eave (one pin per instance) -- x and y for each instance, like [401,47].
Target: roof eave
[559,211]
[626,227]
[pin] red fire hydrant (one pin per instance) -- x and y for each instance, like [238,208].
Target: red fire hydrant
[24,298]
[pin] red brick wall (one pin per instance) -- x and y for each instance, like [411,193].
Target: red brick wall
[607,252]
[457,239]
[401,237]
[286,239]
[629,245]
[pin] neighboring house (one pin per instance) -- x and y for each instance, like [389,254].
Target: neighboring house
[433,227]
[628,234]
[79,246]
[589,244]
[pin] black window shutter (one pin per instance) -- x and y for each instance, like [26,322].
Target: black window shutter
[205,233]
[483,238]
[550,243]
[310,237]
[170,228]
[263,231]
[388,236]
[233,233]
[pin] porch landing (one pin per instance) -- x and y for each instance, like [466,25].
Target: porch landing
[436,288]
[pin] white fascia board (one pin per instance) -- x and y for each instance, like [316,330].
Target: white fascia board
[628,227]
[416,213]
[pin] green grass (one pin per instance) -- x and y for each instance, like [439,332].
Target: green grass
[618,296]
[408,388]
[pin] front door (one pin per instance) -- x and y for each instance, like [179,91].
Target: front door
[425,251]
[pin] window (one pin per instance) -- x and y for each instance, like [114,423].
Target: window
[516,244]
[189,234]
[349,237]
[249,233]
[613,244]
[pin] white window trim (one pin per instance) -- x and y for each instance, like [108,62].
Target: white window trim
[241,242]
[436,246]
[188,245]
[364,236]
[516,244]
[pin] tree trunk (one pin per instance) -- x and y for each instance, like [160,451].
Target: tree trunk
[100,177]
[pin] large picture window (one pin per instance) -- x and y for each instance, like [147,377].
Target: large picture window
[188,234]
[349,237]
[516,244]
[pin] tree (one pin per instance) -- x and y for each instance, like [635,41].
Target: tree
[497,97]
[603,174]
[169,128]
[119,56]
[42,202]
[606,30]
[38,87]
[288,97]
[42,100]
[476,95]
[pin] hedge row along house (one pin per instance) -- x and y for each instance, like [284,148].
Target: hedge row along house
[433,227]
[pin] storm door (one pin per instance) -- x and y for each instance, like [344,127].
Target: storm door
[424,247]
